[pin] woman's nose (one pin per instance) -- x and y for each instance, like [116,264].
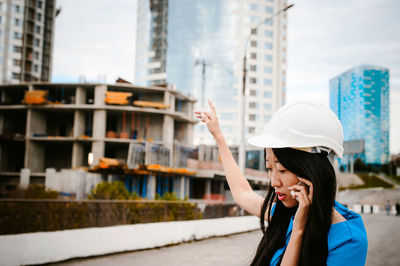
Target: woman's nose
[275,181]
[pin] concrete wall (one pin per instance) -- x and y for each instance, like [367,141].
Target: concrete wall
[38,248]
[77,182]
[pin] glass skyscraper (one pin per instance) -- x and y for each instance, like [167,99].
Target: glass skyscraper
[198,46]
[360,98]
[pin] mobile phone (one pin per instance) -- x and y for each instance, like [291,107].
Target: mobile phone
[300,184]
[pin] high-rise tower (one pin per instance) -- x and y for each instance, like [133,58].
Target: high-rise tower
[26,40]
[198,45]
[360,98]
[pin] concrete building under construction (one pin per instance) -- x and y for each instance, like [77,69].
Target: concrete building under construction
[141,135]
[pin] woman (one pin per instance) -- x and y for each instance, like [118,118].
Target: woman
[306,226]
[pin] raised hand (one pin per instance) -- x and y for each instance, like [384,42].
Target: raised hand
[211,120]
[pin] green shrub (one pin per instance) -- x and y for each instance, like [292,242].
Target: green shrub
[372,181]
[134,196]
[106,190]
[167,196]
[35,191]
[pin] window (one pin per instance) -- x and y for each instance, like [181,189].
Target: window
[253,80]
[267,82]
[253,7]
[35,68]
[253,31]
[253,93]
[253,105]
[252,130]
[0,19]
[16,22]
[37,29]
[39,4]
[267,118]
[17,35]
[36,42]
[267,94]
[36,55]
[17,49]
[15,76]
[255,19]
[269,9]
[253,117]
[267,69]
[267,106]
[253,43]
[268,45]
[253,55]
[268,57]
[38,16]
[253,68]
[268,33]
[16,62]
[17,9]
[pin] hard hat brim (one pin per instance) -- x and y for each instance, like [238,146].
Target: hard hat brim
[268,141]
[271,141]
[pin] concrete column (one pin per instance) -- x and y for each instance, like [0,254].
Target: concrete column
[50,179]
[189,134]
[24,179]
[151,186]
[169,98]
[34,156]
[80,184]
[80,95]
[79,123]
[208,188]
[77,155]
[187,186]
[168,129]
[100,95]
[99,129]
[36,122]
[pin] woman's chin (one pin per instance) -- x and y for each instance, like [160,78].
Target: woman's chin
[290,203]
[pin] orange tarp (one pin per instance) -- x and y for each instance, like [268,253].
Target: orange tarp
[35,97]
[120,98]
[151,104]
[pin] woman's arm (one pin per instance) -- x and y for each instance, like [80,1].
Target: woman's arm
[239,186]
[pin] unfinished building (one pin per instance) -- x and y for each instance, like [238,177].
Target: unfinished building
[69,126]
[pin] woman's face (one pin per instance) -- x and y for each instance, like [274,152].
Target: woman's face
[281,179]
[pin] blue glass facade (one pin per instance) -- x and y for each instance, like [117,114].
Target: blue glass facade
[202,32]
[360,98]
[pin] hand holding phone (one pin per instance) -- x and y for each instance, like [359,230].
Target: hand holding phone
[292,192]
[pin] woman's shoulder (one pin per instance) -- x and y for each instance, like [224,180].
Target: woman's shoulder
[347,240]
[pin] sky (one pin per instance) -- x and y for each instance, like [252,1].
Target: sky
[95,41]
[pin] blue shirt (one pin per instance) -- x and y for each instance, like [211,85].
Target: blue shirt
[347,240]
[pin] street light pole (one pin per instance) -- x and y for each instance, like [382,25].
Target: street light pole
[242,145]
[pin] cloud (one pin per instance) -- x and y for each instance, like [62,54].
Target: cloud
[326,38]
[94,38]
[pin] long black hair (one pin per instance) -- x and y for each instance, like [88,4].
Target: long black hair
[314,249]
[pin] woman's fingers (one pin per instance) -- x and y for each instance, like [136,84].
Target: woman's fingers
[212,107]
[301,190]
[310,187]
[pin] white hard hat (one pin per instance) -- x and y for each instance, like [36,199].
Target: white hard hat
[303,125]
